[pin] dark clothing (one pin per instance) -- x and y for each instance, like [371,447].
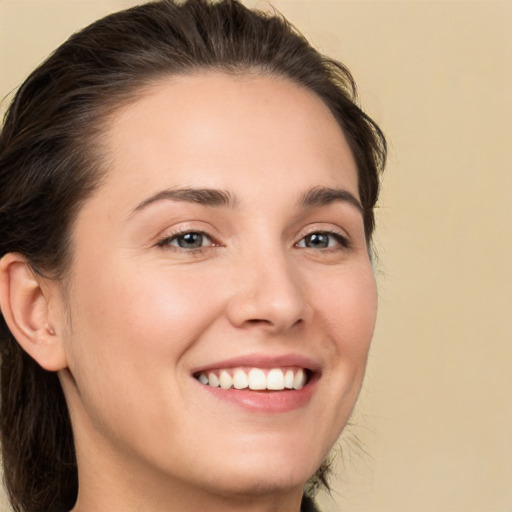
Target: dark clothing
[308,505]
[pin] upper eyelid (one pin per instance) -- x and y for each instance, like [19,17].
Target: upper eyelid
[196,226]
[323,227]
[182,228]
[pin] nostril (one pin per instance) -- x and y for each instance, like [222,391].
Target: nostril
[259,322]
[268,309]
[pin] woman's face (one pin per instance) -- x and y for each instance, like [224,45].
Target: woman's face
[226,244]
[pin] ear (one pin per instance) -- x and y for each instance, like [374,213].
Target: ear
[25,300]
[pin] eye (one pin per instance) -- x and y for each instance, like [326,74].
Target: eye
[189,240]
[323,240]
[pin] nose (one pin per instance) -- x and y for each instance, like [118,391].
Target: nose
[268,293]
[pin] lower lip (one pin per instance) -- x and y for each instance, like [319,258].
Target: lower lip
[266,402]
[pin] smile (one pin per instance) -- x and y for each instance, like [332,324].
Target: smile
[255,379]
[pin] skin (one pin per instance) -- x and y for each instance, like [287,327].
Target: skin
[143,313]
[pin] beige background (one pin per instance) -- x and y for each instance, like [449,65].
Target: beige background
[433,429]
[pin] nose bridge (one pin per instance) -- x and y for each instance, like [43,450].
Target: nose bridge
[269,291]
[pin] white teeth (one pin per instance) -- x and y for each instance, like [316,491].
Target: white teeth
[288,379]
[275,379]
[299,379]
[240,380]
[213,380]
[257,379]
[225,380]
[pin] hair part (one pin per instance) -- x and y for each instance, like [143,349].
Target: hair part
[51,161]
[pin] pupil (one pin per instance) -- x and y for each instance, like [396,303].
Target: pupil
[318,240]
[190,240]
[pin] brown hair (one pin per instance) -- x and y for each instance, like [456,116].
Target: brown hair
[49,165]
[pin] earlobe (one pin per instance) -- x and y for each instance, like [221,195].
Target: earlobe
[24,302]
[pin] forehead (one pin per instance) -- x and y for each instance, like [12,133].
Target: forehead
[226,131]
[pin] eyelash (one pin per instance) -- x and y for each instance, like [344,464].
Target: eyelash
[341,241]
[167,241]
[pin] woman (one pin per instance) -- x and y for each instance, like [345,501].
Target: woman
[187,196]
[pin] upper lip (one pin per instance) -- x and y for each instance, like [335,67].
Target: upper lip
[262,361]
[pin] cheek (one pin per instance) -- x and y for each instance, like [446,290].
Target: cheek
[345,312]
[131,325]
[128,344]
[349,313]
[349,309]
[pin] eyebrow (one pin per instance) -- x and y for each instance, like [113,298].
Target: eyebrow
[318,196]
[322,196]
[204,196]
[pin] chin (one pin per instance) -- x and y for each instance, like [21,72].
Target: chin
[259,483]
[260,474]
